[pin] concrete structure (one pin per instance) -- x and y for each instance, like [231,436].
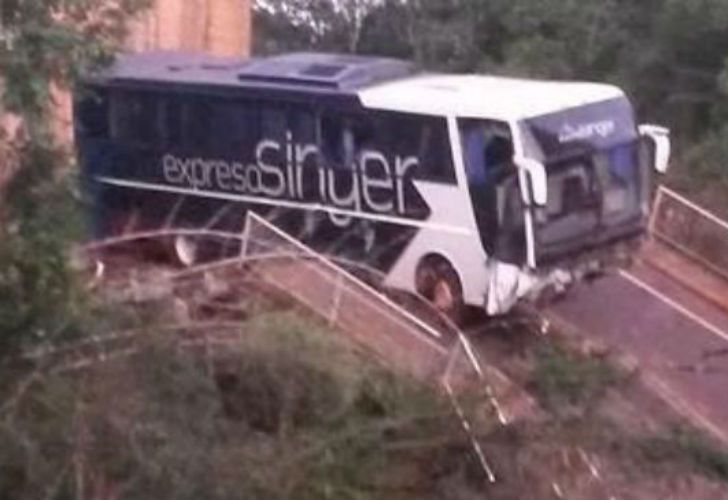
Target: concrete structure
[220,27]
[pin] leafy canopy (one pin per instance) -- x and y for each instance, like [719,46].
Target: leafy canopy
[43,44]
[669,55]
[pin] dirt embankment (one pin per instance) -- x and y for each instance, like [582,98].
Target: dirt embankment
[597,433]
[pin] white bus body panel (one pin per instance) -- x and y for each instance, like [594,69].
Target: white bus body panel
[487,97]
[451,207]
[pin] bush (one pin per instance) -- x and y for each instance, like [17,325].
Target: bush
[41,218]
[289,412]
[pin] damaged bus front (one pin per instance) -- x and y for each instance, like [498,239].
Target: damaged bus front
[586,182]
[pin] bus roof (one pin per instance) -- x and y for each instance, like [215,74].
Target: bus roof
[311,72]
[479,96]
[379,83]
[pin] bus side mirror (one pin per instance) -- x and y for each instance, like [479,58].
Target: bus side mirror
[660,138]
[536,178]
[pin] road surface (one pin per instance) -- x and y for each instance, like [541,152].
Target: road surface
[679,339]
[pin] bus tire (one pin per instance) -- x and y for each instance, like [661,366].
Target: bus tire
[437,281]
[186,250]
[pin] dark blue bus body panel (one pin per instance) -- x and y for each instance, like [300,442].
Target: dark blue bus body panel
[209,152]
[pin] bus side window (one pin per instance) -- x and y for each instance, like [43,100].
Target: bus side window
[422,137]
[134,117]
[399,134]
[302,124]
[250,118]
[343,136]
[171,122]
[331,140]
[230,121]
[487,153]
[435,153]
[487,150]
[92,115]
[273,123]
[197,123]
[499,151]
[120,117]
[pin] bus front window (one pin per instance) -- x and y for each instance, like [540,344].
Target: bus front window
[592,198]
[572,204]
[597,177]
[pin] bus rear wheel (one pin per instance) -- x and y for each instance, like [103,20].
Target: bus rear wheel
[186,250]
[191,250]
[437,281]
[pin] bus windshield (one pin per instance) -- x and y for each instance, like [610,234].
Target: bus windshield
[596,176]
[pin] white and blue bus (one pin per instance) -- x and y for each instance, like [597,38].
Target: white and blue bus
[468,189]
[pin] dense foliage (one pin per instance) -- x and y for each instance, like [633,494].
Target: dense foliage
[54,41]
[44,45]
[288,412]
[670,55]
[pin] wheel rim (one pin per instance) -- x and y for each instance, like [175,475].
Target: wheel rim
[186,250]
[442,296]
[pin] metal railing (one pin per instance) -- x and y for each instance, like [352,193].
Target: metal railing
[691,229]
[431,349]
[382,325]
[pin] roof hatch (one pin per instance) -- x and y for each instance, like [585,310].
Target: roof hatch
[332,71]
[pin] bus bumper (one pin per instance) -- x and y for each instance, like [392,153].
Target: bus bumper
[509,284]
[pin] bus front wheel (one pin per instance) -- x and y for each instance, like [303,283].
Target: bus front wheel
[437,281]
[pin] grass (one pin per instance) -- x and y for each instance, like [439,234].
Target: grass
[564,381]
[568,384]
[689,448]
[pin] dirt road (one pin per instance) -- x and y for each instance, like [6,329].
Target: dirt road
[678,338]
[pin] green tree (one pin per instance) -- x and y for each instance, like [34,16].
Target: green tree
[284,25]
[669,55]
[43,44]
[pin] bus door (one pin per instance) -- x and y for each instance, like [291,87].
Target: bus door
[495,189]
